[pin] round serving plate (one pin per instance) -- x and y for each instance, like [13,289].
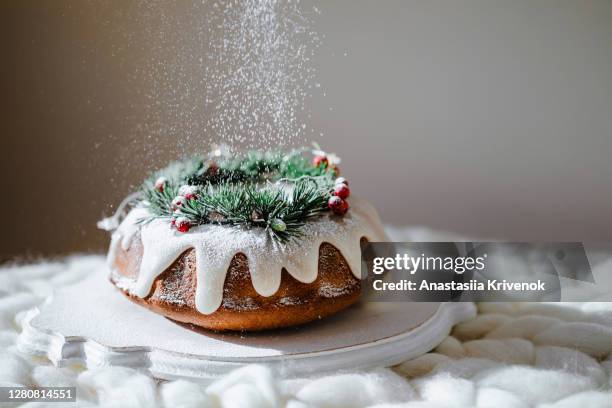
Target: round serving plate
[93,323]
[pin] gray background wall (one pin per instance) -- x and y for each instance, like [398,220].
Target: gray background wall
[482,117]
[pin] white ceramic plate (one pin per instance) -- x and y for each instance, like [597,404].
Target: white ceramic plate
[93,323]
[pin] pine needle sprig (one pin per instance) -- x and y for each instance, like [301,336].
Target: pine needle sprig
[160,201]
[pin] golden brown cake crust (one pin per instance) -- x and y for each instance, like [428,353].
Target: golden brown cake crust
[242,308]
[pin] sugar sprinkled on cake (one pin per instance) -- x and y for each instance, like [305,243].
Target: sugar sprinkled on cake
[216,245]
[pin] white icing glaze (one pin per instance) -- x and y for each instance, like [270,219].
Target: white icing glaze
[216,245]
[123,235]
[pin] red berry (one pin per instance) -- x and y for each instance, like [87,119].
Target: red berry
[338,205]
[160,184]
[342,191]
[341,180]
[182,224]
[213,169]
[189,192]
[178,202]
[319,161]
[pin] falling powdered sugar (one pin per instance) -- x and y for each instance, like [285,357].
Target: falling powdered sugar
[259,71]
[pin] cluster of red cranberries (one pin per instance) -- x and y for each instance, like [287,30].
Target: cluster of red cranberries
[180,222]
[337,202]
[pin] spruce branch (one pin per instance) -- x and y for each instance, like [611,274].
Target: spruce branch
[260,190]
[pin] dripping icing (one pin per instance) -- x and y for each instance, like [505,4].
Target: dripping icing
[215,246]
[123,235]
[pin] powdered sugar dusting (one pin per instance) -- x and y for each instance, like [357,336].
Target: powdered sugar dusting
[290,301]
[330,291]
[244,304]
[216,245]
[259,71]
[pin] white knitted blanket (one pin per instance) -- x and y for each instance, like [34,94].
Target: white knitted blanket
[510,355]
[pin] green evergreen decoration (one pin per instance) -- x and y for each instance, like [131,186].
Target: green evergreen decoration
[280,193]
